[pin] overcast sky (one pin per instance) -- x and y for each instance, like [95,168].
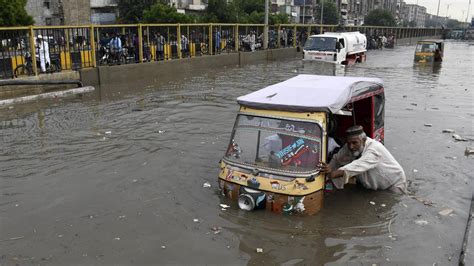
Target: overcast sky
[456,7]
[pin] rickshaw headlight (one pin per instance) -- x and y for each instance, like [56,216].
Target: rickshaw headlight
[246,202]
[251,199]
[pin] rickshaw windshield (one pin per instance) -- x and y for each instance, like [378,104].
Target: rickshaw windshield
[320,44]
[425,47]
[276,144]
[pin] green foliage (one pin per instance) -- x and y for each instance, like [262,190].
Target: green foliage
[13,13]
[278,19]
[131,11]
[330,13]
[379,17]
[163,13]
[220,11]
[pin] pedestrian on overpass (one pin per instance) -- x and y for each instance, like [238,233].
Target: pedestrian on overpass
[160,44]
[43,52]
[115,45]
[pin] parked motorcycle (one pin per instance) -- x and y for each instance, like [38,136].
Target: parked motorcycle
[27,67]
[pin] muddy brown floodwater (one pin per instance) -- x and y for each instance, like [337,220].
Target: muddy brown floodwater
[117,177]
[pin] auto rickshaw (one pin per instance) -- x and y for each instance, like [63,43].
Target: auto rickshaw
[283,131]
[429,51]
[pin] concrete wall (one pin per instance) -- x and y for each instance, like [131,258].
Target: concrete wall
[149,73]
[411,41]
[7,92]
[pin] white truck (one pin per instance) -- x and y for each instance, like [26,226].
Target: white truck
[338,47]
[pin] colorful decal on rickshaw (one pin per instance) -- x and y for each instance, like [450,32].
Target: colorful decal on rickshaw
[291,152]
[229,174]
[294,205]
[299,185]
[276,185]
[253,182]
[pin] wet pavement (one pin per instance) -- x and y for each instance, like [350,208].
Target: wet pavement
[116,177]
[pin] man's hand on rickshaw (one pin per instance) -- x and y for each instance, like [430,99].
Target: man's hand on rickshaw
[324,168]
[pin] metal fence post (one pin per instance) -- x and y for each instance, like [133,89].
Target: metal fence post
[294,36]
[33,50]
[140,43]
[237,37]
[210,39]
[278,35]
[178,46]
[92,42]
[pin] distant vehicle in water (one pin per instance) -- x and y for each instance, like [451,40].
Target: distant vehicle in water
[283,131]
[429,51]
[344,48]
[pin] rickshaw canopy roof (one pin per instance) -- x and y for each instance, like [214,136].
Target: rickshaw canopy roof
[311,93]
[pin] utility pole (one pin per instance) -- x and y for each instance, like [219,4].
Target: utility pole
[437,13]
[304,9]
[468,10]
[322,11]
[265,28]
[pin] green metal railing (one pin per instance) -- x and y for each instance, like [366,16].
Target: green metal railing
[76,47]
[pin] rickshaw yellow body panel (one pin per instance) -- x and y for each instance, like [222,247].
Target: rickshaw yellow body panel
[298,186]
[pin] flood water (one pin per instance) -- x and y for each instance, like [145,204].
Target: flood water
[117,177]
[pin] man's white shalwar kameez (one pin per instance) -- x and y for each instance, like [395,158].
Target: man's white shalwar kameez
[376,168]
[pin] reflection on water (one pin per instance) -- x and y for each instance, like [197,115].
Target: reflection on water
[143,152]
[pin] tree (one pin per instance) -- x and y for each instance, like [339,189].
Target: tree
[13,13]
[275,19]
[163,13]
[220,11]
[131,11]
[330,13]
[380,17]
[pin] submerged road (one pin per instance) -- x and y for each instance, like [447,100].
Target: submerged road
[116,177]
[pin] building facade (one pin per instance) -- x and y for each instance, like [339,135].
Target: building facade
[46,13]
[415,15]
[104,11]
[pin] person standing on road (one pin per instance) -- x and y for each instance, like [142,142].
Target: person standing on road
[160,44]
[43,52]
[217,43]
[184,46]
[115,45]
[368,161]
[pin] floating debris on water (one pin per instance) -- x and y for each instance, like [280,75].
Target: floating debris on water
[372,203]
[206,185]
[445,212]
[428,125]
[224,206]
[469,151]
[458,138]
[108,132]
[196,220]
[448,130]
[259,250]
[421,222]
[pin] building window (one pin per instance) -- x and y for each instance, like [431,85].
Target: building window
[47,4]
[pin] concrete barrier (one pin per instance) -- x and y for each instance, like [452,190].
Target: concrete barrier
[414,40]
[150,73]
[11,91]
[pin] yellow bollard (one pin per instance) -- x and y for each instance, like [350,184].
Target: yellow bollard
[192,48]
[153,52]
[65,60]
[17,60]
[86,59]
